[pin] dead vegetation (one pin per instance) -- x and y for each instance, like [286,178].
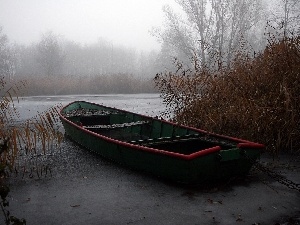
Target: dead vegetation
[256,98]
[94,84]
[32,137]
[22,142]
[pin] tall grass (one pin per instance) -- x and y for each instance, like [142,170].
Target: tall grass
[31,137]
[256,98]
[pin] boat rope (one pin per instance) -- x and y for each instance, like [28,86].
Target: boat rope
[275,175]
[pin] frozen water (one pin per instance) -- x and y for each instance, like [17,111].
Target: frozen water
[146,104]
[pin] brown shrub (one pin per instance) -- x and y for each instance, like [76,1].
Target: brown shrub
[256,99]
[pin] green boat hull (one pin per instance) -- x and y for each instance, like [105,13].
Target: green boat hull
[167,150]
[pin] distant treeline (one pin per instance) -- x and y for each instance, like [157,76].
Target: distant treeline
[53,56]
[104,84]
[57,66]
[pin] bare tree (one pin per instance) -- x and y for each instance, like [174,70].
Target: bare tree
[291,16]
[210,30]
[244,15]
[49,54]
[7,68]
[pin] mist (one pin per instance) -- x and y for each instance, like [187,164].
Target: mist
[121,22]
[120,45]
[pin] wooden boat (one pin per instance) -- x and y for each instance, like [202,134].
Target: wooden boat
[168,150]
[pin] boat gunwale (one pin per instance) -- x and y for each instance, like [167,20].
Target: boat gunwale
[241,143]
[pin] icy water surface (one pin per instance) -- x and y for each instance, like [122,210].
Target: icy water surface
[147,104]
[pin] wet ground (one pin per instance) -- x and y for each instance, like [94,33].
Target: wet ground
[80,187]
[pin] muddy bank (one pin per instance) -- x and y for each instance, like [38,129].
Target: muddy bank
[82,188]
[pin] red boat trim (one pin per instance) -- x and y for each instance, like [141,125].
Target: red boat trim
[250,145]
[242,144]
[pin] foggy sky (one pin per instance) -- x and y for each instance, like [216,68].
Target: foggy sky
[124,22]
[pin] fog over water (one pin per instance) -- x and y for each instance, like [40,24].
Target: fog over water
[122,22]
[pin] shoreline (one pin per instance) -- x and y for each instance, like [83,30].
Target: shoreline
[87,189]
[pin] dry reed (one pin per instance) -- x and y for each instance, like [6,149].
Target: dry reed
[32,137]
[256,98]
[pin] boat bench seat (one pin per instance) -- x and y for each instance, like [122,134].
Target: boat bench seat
[205,139]
[166,139]
[118,125]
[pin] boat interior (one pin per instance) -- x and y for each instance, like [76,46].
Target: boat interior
[146,131]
